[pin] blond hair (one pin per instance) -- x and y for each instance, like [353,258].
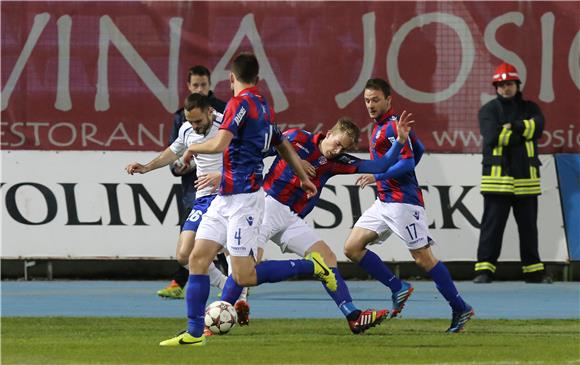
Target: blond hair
[347,126]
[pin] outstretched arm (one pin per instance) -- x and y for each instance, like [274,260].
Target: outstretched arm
[395,171]
[163,159]
[383,163]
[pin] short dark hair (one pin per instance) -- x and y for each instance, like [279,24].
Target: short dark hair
[379,84]
[194,101]
[246,69]
[198,70]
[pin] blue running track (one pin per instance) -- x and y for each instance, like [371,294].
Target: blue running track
[297,299]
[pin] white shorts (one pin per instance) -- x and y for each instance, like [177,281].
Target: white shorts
[286,229]
[233,221]
[407,221]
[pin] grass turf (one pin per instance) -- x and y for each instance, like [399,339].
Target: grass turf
[58,340]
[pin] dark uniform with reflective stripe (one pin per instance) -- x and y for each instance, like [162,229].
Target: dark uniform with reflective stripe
[510,178]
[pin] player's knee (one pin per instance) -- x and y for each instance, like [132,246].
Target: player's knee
[182,259]
[424,259]
[243,280]
[328,256]
[352,252]
[198,261]
[420,261]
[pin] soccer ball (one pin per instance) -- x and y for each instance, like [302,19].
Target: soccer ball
[220,317]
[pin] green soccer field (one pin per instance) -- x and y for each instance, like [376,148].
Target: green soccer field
[290,341]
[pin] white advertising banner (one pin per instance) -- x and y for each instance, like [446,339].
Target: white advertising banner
[78,204]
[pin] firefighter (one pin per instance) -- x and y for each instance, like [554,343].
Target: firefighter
[511,127]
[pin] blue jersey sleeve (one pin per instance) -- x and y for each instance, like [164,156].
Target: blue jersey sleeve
[382,164]
[399,169]
[418,148]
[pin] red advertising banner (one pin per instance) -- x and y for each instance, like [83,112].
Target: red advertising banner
[109,75]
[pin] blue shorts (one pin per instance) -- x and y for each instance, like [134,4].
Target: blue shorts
[198,209]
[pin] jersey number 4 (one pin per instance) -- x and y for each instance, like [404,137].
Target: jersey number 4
[238,236]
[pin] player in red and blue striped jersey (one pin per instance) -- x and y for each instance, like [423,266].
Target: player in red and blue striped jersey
[243,167]
[405,188]
[287,204]
[325,156]
[233,219]
[399,209]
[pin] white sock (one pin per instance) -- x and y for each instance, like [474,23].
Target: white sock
[244,295]
[216,278]
[229,260]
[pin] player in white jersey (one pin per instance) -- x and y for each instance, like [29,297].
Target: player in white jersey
[200,128]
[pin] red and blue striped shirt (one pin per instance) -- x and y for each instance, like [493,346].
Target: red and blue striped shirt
[402,189]
[249,118]
[283,185]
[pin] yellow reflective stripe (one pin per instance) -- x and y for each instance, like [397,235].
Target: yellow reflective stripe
[535,186]
[497,189]
[497,184]
[528,191]
[533,172]
[533,268]
[485,183]
[497,151]
[533,123]
[526,182]
[530,128]
[485,266]
[507,179]
[504,137]
[489,184]
[500,137]
[495,170]
[507,138]
[530,148]
[527,188]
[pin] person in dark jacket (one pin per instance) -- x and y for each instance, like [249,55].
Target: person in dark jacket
[511,127]
[198,81]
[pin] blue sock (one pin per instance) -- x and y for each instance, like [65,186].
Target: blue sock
[374,266]
[231,291]
[276,271]
[446,287]
[196,295]
[342,297]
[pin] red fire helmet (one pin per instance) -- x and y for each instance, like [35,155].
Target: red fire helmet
[505,72]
